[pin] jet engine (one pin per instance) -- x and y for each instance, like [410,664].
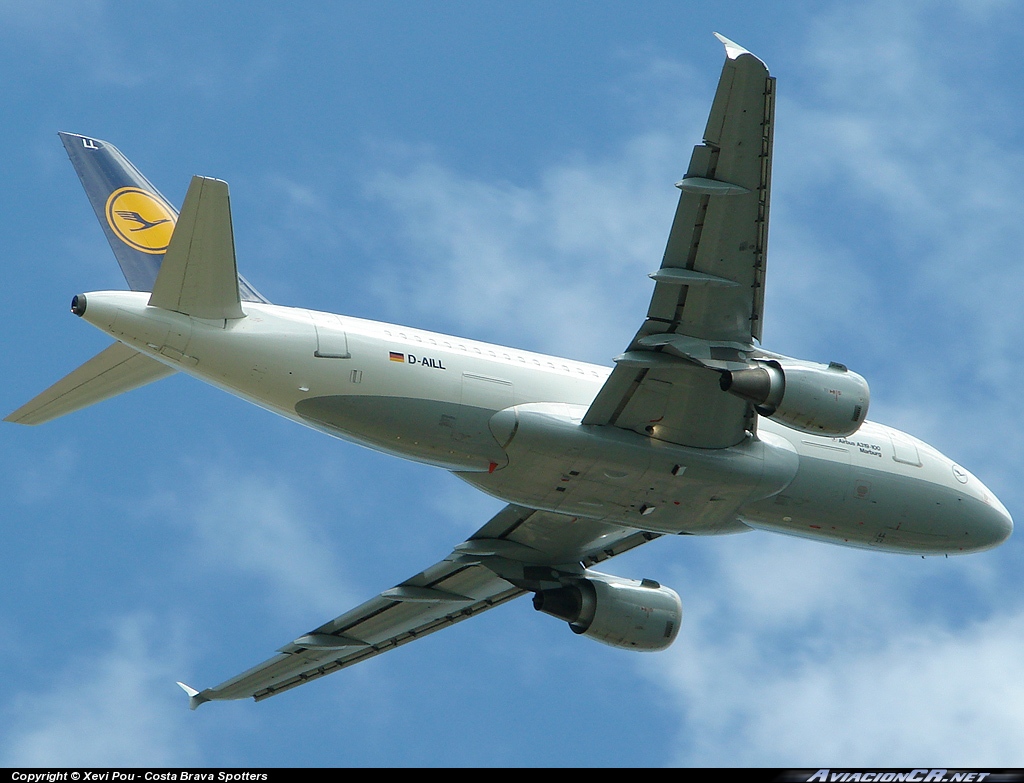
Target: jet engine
[619,612]
[807,397]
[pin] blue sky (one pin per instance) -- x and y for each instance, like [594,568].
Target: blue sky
[503,171]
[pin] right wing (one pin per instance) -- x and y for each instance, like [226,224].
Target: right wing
[518,550]
[705,314]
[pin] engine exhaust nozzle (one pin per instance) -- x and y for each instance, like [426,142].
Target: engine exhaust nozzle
[763,386]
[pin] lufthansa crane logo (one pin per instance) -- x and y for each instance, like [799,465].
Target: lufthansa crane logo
[140,219]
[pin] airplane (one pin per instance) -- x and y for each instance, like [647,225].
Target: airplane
[696,430]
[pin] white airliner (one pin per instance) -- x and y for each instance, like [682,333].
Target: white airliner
[696,430]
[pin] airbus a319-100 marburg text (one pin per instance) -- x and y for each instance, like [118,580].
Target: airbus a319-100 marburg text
[696,430]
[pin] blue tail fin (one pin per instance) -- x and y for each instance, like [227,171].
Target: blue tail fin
[137,220]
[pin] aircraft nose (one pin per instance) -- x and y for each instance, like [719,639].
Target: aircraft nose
[1005,523]
[993,524]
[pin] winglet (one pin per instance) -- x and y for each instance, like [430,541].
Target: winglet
[733,50]
[194,698]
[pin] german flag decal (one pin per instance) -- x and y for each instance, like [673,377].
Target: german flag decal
[395,356]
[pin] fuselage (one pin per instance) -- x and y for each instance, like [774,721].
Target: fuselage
[509,422]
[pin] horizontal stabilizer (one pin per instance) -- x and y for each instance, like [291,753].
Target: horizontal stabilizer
[115,370]
[199,276]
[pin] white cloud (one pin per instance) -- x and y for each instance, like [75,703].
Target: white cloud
[45,18]
[36,481]
[259,525]
[561,263]
[74,33]
[896,221]
[120,708]
[802,655]
[898,135]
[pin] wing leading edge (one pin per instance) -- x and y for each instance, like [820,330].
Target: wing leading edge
[518,550]
[705,314]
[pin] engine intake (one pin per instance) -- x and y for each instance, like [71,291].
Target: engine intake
[618,612]
[810,398]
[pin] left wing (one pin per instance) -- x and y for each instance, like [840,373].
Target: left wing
[705,314]
[518,550]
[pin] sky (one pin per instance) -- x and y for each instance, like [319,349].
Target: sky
[503,171]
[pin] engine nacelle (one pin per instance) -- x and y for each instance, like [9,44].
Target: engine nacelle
[810,398]
[619,612]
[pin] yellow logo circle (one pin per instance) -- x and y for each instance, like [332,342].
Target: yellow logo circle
[140,219]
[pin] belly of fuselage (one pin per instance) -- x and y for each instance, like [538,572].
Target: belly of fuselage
[433,398]
[851,492]
[557,464]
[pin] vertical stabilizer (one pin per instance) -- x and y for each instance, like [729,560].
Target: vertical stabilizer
[136,219]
